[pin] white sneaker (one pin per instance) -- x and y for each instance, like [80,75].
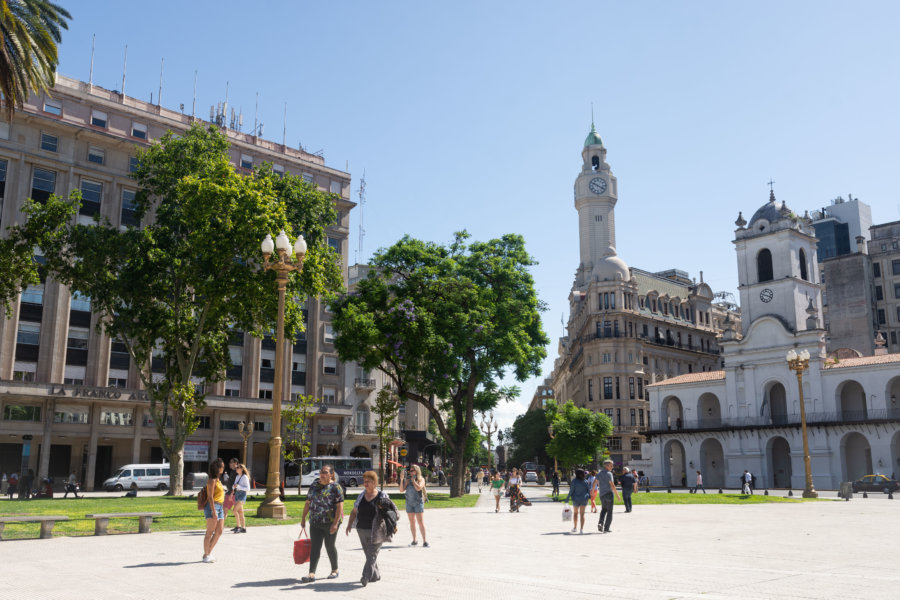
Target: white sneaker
[210,559]
[205,558]
[574,529]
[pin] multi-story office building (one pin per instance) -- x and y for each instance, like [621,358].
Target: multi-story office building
[627,328]
[71,398]
[884,254]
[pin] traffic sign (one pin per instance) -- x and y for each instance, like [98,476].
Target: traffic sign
[404,450]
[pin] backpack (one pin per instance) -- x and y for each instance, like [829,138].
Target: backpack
[389,514]
[202,498]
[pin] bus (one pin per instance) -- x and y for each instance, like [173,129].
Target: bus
[349,470]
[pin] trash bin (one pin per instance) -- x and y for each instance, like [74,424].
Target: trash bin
[846,491]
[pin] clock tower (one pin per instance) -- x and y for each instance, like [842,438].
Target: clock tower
[778,271]
[596,193]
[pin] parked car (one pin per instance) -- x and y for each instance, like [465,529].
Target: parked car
[193,481]
[876,483]
[146,476]
[530,476]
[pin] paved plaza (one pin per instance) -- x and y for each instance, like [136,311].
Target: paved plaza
[812,550]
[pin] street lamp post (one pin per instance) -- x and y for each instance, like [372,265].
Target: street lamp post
[272,507]
[489,428]
[799,362]
[246,432]
[550,431]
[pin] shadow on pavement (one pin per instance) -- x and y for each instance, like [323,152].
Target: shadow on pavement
[161,564]
[290,581]
[321,586]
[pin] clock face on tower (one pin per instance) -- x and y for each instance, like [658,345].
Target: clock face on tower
[597,185]
[766,295]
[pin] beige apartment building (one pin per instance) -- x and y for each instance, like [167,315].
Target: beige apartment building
[70,399]
[628,328]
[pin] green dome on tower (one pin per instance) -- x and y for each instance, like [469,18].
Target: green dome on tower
[593,138]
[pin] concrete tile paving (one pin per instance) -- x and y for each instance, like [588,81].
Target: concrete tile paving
[812,550]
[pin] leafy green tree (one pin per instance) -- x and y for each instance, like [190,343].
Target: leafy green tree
[296,418]
[578,433]
[444,323]
[387,405]
[529,437]
[17,250]
[175,290]
[28,52]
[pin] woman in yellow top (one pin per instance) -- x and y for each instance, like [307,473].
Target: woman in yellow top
[215,514]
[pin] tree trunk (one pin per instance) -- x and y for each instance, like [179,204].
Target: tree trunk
[176,472]
[460,473]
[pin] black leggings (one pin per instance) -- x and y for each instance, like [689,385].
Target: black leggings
[318,534]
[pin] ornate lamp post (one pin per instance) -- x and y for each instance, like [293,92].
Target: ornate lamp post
[799,362]
[283,265]
[489,428]
[245,432]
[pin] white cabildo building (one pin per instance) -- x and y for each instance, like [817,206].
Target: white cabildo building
[748,415]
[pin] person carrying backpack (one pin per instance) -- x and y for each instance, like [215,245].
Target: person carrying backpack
[375,516]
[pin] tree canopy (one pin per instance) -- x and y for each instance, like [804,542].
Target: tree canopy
[30,31]
[445,323]
[176,289]
[529,438]
[578,433]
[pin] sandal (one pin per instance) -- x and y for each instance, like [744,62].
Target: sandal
[333,575]
[307,580]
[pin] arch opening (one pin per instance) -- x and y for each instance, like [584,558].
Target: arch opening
[779,463]
[764,266]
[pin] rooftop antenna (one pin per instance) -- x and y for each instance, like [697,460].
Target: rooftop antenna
[224,110]
[194,104]
[159,95]
[124,67]
[284,127]
[91,76]
[362,204]
[256,116]
[592,113]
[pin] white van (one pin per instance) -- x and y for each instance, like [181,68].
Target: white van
[148,477]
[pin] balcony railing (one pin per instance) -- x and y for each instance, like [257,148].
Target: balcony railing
[629,429]
[370,430]
[361,383]
[784,420]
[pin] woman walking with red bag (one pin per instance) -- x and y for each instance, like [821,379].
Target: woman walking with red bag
[325,507]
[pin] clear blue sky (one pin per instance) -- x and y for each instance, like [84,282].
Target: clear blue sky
[471,115]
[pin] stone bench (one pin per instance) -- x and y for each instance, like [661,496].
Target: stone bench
[101,520]
[47,522]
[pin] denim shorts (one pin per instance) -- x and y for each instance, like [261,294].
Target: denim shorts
[220,512]
[240,496]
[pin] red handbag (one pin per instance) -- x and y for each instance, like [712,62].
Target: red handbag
[229,501]
[301,550]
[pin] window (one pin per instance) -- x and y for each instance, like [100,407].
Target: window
[633,417]
[91,195]
[98,118]
[607,388]
[33,294]
[329,395]
[96,155]
[764,265]
[618,417]
[631,388]
[335,187]
[265,394]
[329,334]
[21,412]
[897,290]
[618,396]
[307,177]
[70,414]
[881,317]
[246,162]
[29,333]
[330,365]
[50,143]
[876,270]
[898,314]
[895,267]
[615,443]
[128,217]
[80,302]
[115,416]
[641,415]
[205,422]
[232,392]
[278,170]
[635,444]
[139,130]
[132,164]
[803,272]
[299,363]
[641,387]
[116,382]
[335,243]
[894,337]
[78,338]
[53,107]
[608,412]
[590,390]
[266,363]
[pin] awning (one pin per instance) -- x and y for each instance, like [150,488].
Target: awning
[393,462]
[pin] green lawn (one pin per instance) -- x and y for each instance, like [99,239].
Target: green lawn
[179,513]
[708,498]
